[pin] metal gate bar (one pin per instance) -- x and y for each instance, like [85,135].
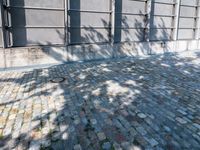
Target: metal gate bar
[2,24]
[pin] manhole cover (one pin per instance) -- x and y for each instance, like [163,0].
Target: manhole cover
[57,80]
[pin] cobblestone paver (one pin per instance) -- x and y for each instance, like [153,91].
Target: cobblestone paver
[131,104]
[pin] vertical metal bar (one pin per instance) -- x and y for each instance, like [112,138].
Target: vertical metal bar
[173,20]
[65,22]
[68,23]
[176,21]
[112,20]
[3,32]
[2,25]
[8,22]
[197,25]
[149,19]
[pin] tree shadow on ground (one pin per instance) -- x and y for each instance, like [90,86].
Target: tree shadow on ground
[134,101]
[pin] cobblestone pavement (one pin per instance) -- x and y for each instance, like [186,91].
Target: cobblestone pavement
[131,104]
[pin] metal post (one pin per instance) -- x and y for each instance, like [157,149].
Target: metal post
[65,23]
[68,23]
[197,25]
[3,32]
[149,19]
[8,23]
[176,21]
[2,25]
[112,20]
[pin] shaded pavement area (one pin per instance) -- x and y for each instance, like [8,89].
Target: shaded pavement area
[131,104]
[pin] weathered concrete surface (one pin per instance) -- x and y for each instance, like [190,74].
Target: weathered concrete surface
[2,63]
[149,103]
[19,57]
[31,56]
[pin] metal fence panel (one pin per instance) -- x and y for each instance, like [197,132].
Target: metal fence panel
[40,23]
[38,18]
[165,1]
[187,11]
[38,3]
[186,23]
[132,21]
[97,20]
[160,34]
[189,2]
[132,35]
[89,21]
[95,5]
[132,6]
[162,22]
[185,34]
[188,19]
[40,36]
[163,9]
[129,20]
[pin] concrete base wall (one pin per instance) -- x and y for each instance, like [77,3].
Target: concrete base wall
[32,56]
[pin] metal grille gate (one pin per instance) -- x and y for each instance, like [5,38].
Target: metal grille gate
[69,22]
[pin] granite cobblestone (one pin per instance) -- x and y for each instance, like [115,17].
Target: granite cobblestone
[125,104]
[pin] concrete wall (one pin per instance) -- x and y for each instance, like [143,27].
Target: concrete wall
[57,31]
[36,56]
